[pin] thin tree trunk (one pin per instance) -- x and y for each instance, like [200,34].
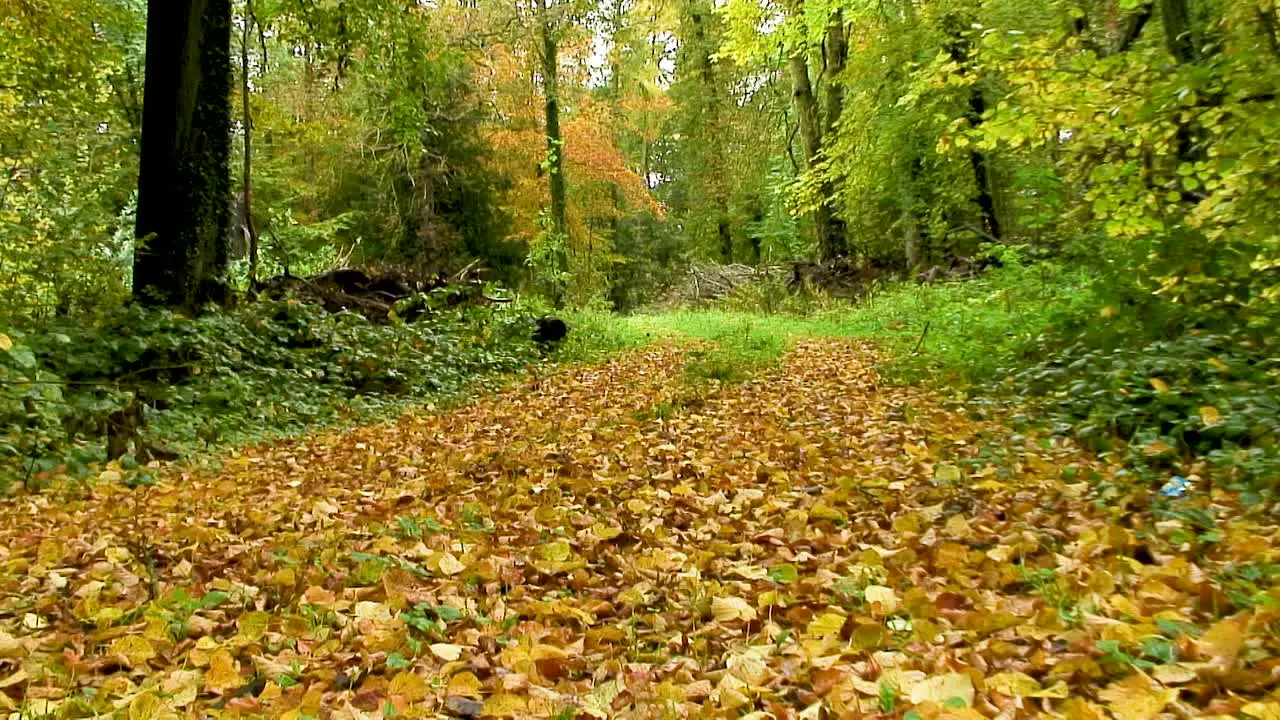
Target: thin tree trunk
[184,183]
[247,121]
[706,67]
[837,56]
[832,242]
[960,49]
[555,143]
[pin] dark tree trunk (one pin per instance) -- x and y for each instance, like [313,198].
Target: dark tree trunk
[184,183]
[1178,35]
[960,49]
[982,167]
[836,54]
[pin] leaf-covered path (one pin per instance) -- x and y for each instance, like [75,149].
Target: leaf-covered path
[614,542]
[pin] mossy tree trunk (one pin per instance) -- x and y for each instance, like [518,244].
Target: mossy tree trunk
[832,236]
[184,183]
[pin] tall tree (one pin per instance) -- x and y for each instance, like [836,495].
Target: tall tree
[832,241]
[551,97]
[960,48]
[184,183]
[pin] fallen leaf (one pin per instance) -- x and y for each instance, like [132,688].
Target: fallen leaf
[884,596]
[729,609]
[447,651]
[941,688]
[1136,698]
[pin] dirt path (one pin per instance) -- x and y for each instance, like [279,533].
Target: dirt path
[612,542]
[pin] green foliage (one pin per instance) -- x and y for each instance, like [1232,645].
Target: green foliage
[975,329]
[272,368]
[70,103]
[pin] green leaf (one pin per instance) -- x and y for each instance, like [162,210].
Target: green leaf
[785,573]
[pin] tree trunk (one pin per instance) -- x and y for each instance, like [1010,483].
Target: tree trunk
[247,120]
[836,53]
[960,49]
[1178,35]
[710,120]
[726,236]
[555,144]
[832,241]
[184,183]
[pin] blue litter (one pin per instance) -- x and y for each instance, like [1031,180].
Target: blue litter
[1176,487]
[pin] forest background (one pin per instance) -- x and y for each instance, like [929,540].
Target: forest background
[1110,163]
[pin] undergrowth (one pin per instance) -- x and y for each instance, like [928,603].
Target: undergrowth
[1124,371]
[162,384]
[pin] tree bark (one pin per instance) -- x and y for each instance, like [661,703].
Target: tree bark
[184,183]
[836,55]
[711,121]
[555,143]
[247,120]
[832,241]
[1178,35]
[960,49]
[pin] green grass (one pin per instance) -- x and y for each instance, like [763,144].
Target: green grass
[964,332]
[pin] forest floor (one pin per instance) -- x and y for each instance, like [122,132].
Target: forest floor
[627,540]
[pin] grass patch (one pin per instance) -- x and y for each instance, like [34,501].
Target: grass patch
[955,333]
[965,332]
[731,346]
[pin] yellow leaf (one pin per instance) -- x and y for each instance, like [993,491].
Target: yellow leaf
[464,684]
[1056,691]
[1175,674]
[1136,698]
[1262,710]
[504,705]
[729,609]
[6,343]
[1224,640]
[941,688]
[1210,416]
[375,611]
[253,625]
[145,707]
[450,565]
[446,651]
[223,674]
[558,551]
[134,649]
[887,599]
[826,625]
[10,648]
[181,687]
[599,702]
[1013,684]
[409,686]
[1159,385]
[749,666]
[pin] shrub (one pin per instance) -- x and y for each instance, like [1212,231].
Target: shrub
[190,382]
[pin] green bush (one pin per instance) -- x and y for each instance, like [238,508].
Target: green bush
[272,367]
